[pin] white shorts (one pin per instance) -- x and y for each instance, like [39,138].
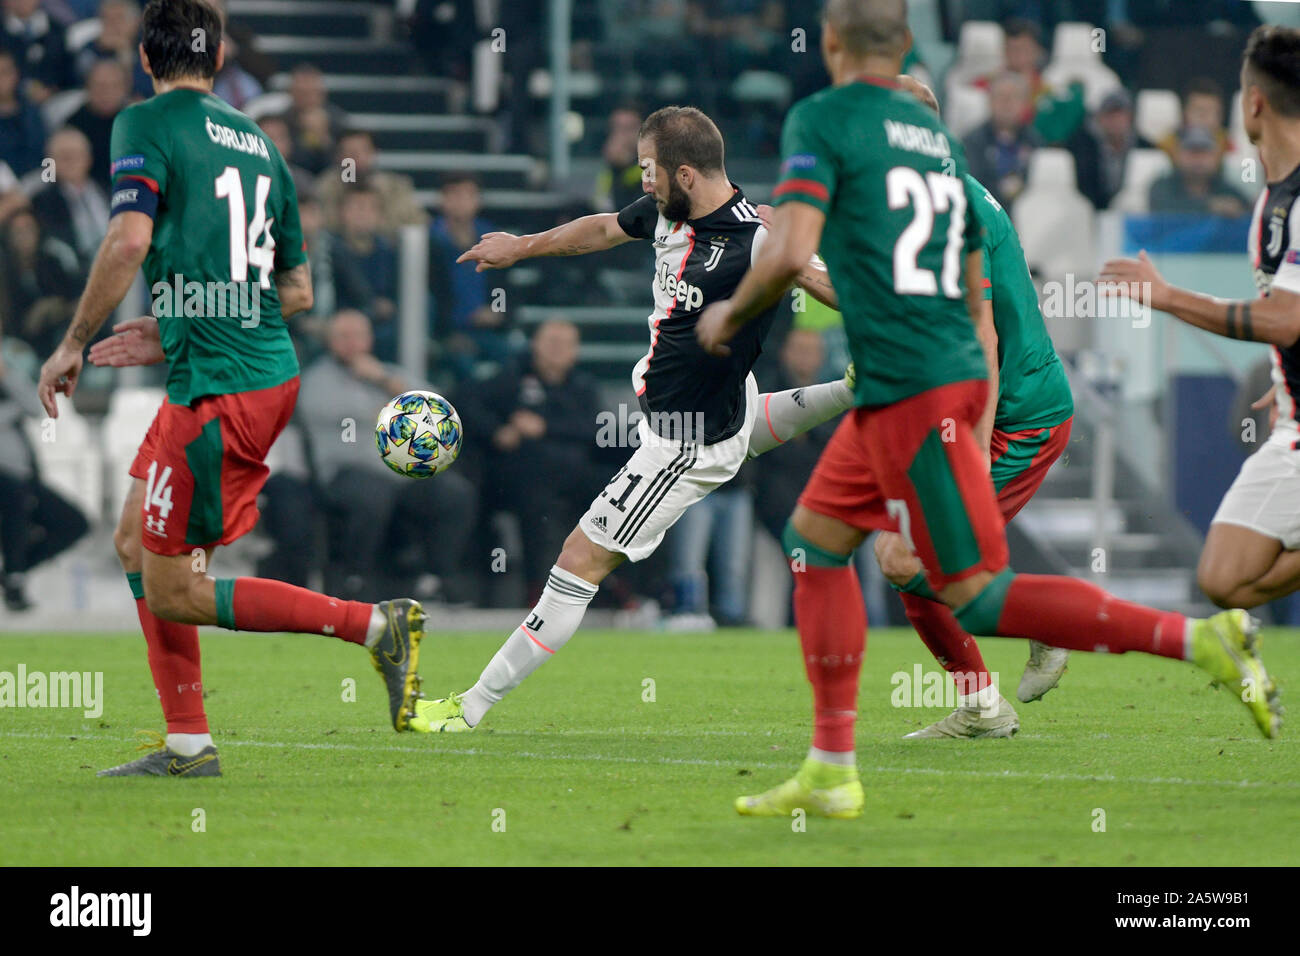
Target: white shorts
[660,481]
[1265,496]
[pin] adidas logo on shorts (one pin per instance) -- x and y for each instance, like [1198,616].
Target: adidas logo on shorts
[599,522]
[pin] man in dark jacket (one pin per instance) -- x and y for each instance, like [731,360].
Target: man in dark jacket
[538,422]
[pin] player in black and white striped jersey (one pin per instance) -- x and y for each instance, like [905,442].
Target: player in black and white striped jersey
[702,412]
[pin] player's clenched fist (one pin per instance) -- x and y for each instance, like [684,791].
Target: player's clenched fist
[496,250]
[714,328]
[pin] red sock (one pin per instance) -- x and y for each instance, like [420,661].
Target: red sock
[951,646]
[832,622]
[259,604]
[1067,612]
[174,663]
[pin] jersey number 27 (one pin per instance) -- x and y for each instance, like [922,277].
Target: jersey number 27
[927,195]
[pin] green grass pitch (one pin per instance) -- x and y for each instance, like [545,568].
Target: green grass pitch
[579,767]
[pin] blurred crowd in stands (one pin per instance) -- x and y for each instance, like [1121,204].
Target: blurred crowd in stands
[67,67]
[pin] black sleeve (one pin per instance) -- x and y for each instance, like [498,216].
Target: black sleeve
[638,220]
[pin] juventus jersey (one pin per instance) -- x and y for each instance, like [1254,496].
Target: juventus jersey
[681,388]
[1274,247]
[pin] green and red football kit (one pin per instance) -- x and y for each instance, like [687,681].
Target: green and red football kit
[901,216]
[225,219]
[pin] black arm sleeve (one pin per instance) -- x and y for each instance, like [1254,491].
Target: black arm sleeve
[638,220]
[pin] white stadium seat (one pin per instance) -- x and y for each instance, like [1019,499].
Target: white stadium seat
[965,109]
[56,110]
[69,459]
[1158,113]
[268,104]
[1054,221]
[1237,125]
[1074,57]
[130,413]
[1142,167]
[82,33]
[980,47]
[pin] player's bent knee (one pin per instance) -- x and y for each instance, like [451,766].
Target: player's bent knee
[586,559]
[979,613]
[126,541]
[1217,586]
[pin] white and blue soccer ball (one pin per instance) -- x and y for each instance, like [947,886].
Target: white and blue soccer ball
[418,434]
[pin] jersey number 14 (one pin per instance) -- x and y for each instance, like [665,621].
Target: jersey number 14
[245,235]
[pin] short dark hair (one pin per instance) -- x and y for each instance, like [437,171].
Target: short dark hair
[1020,27]
[459,177]
[1203,86]
[869,26]
[171,29]
[684,136]
[1272,59]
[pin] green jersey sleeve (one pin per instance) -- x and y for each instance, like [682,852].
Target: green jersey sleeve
[139,148]
[808,164]
[290,246]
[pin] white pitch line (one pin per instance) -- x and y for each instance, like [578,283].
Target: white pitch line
[697,762]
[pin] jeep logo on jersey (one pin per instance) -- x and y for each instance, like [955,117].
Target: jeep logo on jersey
[691,296]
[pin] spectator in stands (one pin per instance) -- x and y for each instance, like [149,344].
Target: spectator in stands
[39,280]
[279,132]
[356,158]
[315,122]
[73,208]
[327,256]
[1202,109]
[619,182]
[1023,53]
[12,197]
[999,150]
[742,31]
[106,92]
[1102,147]
[468,324]
[1196,184]
[39,45]
[337,403]
[370,287]
[233,83]
[780,478]
[22,133]
[721,528]
[36,522]
[119,36]
[539,462]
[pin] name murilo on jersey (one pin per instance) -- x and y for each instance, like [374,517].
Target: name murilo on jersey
[916,139]
[237,139]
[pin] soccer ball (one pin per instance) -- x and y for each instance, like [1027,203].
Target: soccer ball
[418,434]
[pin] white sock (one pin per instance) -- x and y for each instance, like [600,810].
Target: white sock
[984,700]
[375,629]
[846,758]
[557,615]
[783,415]
[187,745]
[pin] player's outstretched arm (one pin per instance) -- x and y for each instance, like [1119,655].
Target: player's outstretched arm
[815,278]
[792,241]
[294,287]
[116,263]
[499,250]
[1274,320]
[133,342]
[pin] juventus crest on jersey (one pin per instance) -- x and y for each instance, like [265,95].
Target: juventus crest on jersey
[1274,248]
[697,262]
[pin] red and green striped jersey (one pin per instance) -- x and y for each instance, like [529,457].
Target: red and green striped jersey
[225,219]
[1033,390]
[899,224]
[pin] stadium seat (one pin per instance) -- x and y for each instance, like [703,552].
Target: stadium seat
[1074,57]
[1237,125]
[130,412]
[965,108]
[268,104]
[979,53]
[81,34]
[56,110]
[1158,114]
[1055,222]
[1141,169]
[762,86]
[69,459]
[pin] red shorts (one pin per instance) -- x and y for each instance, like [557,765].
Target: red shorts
[1021,460]
[204,465]
[914,467]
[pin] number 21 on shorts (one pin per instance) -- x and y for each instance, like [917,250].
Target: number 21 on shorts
[896,508]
